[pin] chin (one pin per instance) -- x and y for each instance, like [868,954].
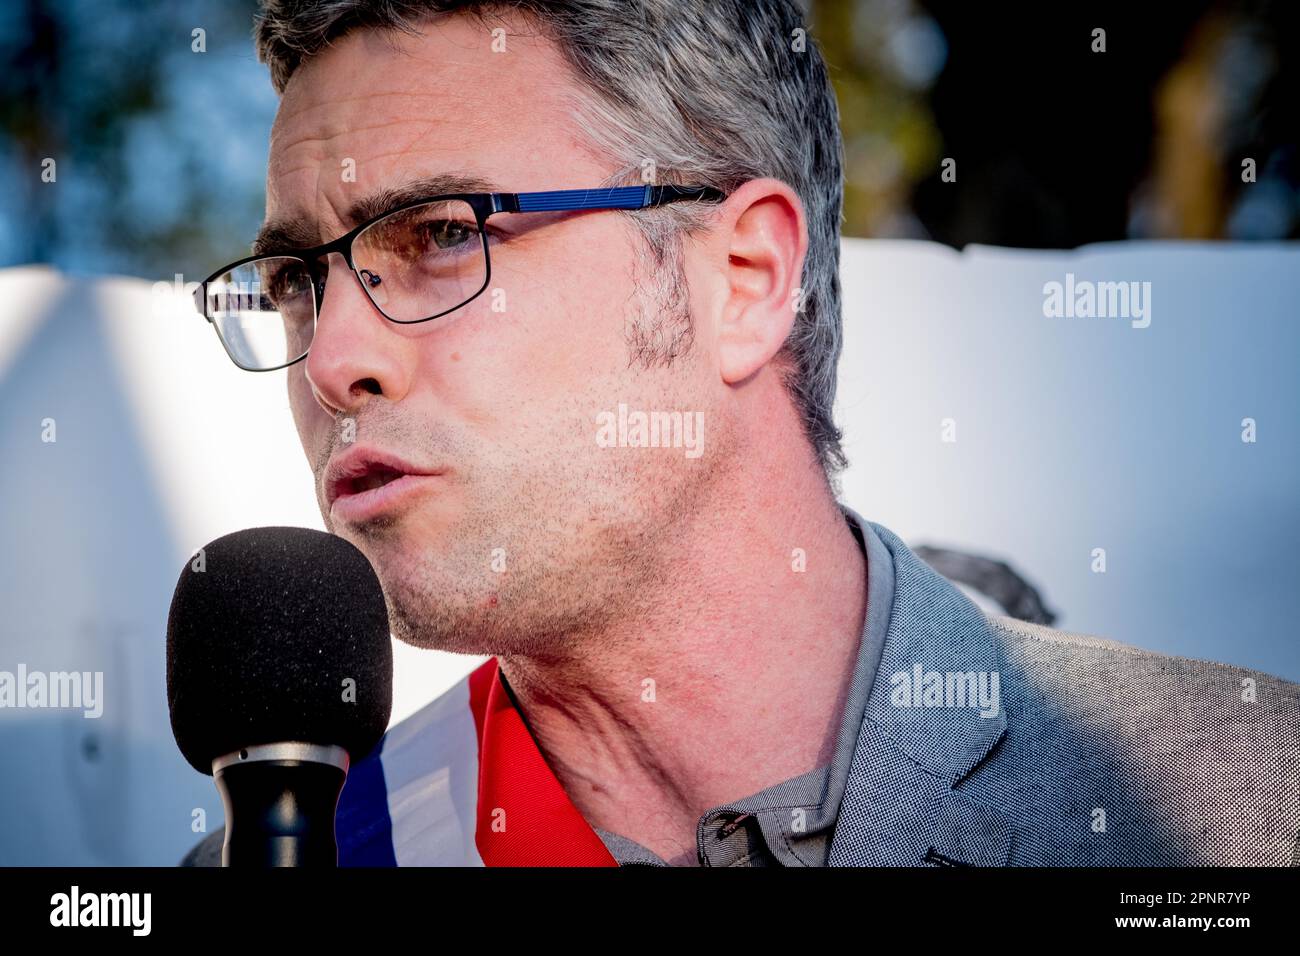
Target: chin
[432,621]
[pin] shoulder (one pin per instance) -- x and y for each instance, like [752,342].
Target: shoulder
[1130,691]
[1177,759]
[1064,660]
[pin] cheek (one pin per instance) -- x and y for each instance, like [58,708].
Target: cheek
[533,357]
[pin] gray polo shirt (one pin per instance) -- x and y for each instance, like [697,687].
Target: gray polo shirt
[791,823]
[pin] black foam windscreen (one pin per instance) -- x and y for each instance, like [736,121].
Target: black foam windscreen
[274,635]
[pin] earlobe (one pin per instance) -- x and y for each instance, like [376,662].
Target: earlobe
[766,243]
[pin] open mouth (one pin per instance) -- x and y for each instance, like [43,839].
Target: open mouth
[376,476]
[366,482]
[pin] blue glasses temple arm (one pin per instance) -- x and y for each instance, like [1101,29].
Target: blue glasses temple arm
[617,197]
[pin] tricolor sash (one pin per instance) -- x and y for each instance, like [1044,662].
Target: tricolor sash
[462,783]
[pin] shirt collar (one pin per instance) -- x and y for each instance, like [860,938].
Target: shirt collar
[797,817]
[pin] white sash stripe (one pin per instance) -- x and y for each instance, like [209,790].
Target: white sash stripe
[430,764]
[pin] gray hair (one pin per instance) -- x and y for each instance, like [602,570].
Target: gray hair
[713,94]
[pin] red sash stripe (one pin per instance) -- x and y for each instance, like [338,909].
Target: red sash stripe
[541,827]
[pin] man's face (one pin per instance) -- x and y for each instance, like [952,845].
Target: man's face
[524,528]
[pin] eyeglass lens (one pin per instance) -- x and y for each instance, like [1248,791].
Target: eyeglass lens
[415,264]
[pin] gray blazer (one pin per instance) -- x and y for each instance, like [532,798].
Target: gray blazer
[1101,754]
[1098,753]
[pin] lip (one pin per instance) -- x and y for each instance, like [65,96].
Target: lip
[349,505]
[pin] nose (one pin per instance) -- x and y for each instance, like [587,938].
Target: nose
[355,352]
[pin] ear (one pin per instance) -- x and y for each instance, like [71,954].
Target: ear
[765,236]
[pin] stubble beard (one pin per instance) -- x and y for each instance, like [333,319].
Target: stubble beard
[580,556]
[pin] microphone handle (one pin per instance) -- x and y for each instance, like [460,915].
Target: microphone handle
[280,809]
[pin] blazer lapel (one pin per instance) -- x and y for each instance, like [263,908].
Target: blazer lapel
[900,807]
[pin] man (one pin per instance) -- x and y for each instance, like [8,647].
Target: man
[597,445]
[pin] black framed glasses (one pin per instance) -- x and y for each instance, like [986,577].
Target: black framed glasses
[416,262]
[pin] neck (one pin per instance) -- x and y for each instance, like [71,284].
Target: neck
[732,681]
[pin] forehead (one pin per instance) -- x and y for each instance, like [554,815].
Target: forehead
[379,108]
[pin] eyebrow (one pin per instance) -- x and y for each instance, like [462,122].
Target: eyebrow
[302,232]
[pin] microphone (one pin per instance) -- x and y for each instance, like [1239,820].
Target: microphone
[279,675]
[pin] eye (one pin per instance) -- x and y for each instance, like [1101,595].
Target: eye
[287,282]
[448,233]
